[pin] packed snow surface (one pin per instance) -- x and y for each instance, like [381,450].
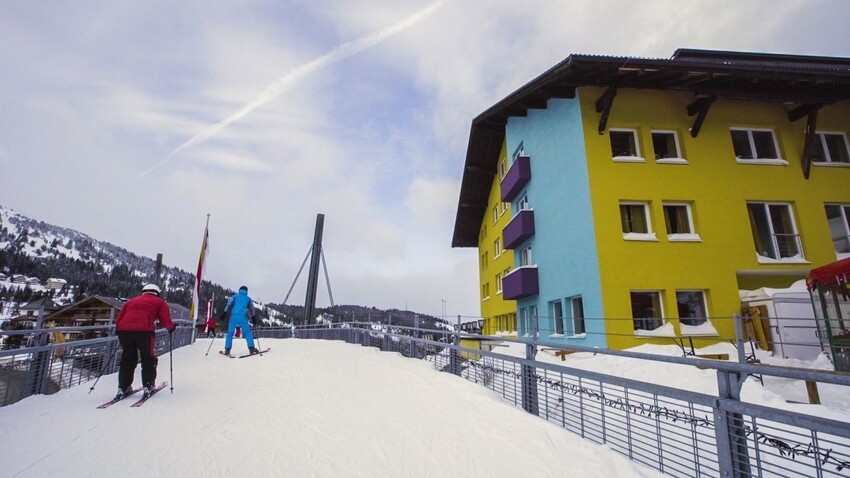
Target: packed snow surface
[308,408]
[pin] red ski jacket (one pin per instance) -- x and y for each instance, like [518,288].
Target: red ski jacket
[140,313]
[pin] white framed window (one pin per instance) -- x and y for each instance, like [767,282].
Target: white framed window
[831,148]
[774,231]
[498,283]
[522,204]
[692,307]
[679,220]
[635,221]
[506,272]
[503,168]
[525,257]
[497,248]
[557,311]
[756,146]
[485,290]
[665,145]
[577,305]
[484,258]
[838,217]
[504,207]
[495,214]
[647,313]
[624,145]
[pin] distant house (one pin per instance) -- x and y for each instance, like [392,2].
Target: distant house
[92,310]
[2,277]
[33,281]
[99,310]
[19,279]
[55,284]
[31,308]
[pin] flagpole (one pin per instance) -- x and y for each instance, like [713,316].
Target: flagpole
[196,293]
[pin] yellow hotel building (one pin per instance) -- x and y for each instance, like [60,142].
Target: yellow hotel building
[645,193]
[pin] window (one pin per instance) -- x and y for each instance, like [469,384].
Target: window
[578,315]
[522,204]
[504,207]
[691,304]
[503,168]
[485,290]
[755,144]
[679,222]
[830,148]
[665,144]
[498,283]
[532,314]
[634,217]
[484,260]
[774,232]
[624,145]
[558,316]
[507,271]
[838,217]
[497,248]
[495,214]
[525,257]
[646,310]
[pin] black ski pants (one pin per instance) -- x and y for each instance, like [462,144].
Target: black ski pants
[134,345]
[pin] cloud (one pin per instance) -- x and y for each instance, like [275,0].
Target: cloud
[282,84]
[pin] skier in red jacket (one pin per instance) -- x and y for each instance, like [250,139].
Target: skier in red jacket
[136,334]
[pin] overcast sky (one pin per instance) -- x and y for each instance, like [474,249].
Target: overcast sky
[130,121]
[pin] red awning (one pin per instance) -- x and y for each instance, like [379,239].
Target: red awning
[829,274]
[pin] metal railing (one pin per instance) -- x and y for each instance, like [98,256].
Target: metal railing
[787,245]
[47,368]
[679,432]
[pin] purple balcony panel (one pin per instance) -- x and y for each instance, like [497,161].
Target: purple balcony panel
[519,229]
[520,283]
[516,178]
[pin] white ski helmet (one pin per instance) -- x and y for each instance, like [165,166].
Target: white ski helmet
[152,288]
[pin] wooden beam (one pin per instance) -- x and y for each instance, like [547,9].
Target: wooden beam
[533,103]
[557,91]
[603,105]
[803,110]
[809,142]
[699,108]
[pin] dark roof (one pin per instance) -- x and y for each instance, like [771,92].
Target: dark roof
[720,74]
[48,303]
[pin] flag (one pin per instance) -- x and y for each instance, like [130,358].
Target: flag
[196,292]
[209,314]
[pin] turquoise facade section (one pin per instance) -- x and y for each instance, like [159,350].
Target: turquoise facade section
[564,243]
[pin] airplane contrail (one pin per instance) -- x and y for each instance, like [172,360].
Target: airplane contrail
[280,85]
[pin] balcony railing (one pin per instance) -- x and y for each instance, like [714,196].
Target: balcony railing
[521,282]
[788,245]
[516,178]
[519,229]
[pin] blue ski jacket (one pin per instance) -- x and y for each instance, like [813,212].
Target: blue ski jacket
[240,305]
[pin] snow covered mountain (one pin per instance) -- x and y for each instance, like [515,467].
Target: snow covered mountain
[35,249]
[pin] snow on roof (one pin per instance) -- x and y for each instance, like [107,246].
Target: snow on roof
[798,288]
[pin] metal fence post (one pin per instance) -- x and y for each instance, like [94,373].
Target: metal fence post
[416,335]
[739,338]
[732,453]
[38,368]
[529,379]
[454,353]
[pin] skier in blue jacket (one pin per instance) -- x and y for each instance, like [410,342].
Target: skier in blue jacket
[240,306]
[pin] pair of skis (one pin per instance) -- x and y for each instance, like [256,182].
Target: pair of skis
[261,352]
[140,401]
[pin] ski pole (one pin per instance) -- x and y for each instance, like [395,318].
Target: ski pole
[211,342]
[103,369]
[257,336]
[171,359]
